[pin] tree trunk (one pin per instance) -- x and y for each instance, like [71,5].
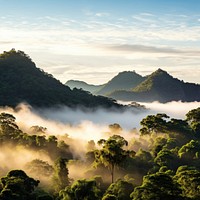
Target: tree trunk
[112,172]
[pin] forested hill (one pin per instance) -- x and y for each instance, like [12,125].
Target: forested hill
[22,81]
[160,86]
[83,85]
[123,81]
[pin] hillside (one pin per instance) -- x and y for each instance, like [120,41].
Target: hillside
[22,81]
[83,85]
[160,86]
[123,81]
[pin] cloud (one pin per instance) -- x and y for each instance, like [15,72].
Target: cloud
[153,49]
[102,14]
[143,18]
[142,48]
[105,44]
[78,126]
[92,124]
[174,109]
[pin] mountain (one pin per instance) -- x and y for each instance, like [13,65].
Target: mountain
[123,81]
[162,87]
[22,81]
[83,85]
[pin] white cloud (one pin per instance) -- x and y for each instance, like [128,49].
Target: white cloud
[102,14]
[120,44]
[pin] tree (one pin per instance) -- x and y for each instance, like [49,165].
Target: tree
[81,189]
[39,167]
[190,152]
[111,153]
[193,118]
[9,129]
[60,177]
[17,185]
[189,179]
[115,128]
[38,129]
[120,189]
[154,124]
[156,187]
[166,158]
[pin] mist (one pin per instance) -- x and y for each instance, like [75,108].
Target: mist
[76,127]
[92,125]
[175,109]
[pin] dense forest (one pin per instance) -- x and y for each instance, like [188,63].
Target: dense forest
[158,162]
[22,81]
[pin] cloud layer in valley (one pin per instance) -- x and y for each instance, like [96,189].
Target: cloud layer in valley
[77,127]
[92,125]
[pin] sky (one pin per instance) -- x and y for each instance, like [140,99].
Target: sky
[93,40]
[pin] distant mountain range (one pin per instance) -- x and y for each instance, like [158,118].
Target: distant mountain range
[158,86]
[83,85]
[123,81]
[22,81]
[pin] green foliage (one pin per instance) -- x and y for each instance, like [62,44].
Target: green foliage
[193,118]
[159,163]
[156,187]
[154,124]
[189,179]
[22,81]
[120,189]
[123,81]
[9,131]
[167,158]
[81,189]
[41,194]
[112,152]
[159,86]
[190,151]
[17,185]
[60,178]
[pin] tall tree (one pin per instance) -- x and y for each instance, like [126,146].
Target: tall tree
[8,127]
[111,153]
[60,177]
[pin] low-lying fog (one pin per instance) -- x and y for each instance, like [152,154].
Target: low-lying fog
[90,125]
[81,126]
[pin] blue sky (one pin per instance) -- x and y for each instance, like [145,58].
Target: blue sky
[93,40]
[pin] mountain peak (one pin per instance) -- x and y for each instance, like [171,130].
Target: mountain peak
[156,80]
[22,81]
[125,80]
[160,71]
[14,53]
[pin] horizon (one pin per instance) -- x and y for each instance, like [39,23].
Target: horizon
[92,41]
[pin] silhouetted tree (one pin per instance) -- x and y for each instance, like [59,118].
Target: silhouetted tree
[112,152]
[17,185]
